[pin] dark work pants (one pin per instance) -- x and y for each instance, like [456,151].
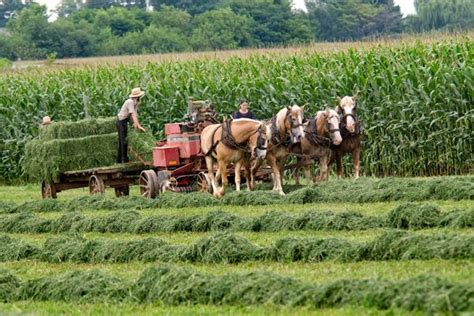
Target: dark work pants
[122,129]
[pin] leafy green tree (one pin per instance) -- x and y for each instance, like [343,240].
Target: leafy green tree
[220,29]
[172,18]
[193,7]
[353,19]
[442,14]
[31,26]
[274,22]
[119,20]
[67,7]
[8,8]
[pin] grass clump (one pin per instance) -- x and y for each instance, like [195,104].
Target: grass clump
[414,216]
[459,219]
[177,286]
[76,286]
[222,247]
[9,284]
[12,249]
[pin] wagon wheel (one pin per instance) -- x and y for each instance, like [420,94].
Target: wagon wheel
[48,190]
[96,185]
[203,183]
[122,191]
[148,184]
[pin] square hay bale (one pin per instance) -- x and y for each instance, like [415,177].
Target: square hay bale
[78,129]
[85,144]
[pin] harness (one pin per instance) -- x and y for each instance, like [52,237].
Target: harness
[275,140]
[311,134]
[358,126]
[229,140]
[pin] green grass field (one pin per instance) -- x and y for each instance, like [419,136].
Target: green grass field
[34,271]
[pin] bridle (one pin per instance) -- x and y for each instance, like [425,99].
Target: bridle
[343,124]
[332,131]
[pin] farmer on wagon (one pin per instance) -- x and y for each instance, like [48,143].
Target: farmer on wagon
[129,109]
[244,111]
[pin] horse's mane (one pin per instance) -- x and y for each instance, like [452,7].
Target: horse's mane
[321,124]
[281,115]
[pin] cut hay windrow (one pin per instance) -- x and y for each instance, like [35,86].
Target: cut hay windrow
[69,146]
[230,248]
[364,190]
[404,216]
[95,202]
[177,286]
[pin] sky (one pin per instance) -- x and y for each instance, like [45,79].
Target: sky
[406,6]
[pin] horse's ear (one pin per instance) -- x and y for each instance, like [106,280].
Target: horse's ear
[354,97]
[288,107]
[338,99]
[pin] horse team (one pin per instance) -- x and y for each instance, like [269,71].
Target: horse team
[327,137]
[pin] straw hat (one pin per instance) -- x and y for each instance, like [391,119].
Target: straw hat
[46,120]
[136,93]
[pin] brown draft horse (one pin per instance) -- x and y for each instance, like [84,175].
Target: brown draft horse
[231,142]
[286,130]
[351,131]
[320,133]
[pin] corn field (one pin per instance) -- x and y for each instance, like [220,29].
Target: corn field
[415,101]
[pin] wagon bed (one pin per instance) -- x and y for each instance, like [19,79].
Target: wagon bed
[118,176]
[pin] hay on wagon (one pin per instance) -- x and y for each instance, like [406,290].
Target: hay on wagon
[85,144]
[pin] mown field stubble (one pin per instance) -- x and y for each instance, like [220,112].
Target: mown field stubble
[280,257]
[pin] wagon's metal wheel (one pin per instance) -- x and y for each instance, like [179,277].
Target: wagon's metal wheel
[148,184]
[48,190]
[96,185]
[203,183]
[122,191]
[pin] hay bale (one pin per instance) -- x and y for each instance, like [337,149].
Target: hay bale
[78,129]
[9,285]
[46,160]
[140,145]
[414,216]
[85,144]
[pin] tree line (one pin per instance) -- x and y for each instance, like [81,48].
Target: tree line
[124,27]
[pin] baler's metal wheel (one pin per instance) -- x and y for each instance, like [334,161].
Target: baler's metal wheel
[96,185]
[48,190]
[203,183]
[148,184]
[122,191]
